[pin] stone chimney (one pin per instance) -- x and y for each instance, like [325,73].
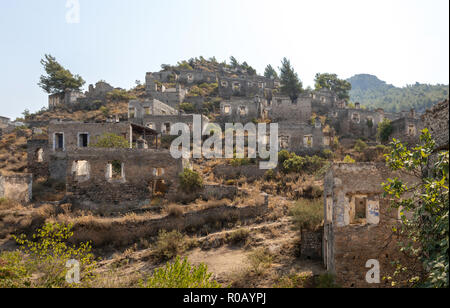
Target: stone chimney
[357,105]
[412,113]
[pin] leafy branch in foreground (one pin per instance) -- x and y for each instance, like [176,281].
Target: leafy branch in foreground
[428,202]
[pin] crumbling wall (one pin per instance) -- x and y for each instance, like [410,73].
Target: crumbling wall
[311,244]
[282,109]
[303,139]
[16,187]
[92,184]
[71,131]
[436,120]
[350,241]
[38,156]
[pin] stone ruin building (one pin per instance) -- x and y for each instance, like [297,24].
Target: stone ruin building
[159,116]
[98,177]
[71,97]
[358,223]
[436,120]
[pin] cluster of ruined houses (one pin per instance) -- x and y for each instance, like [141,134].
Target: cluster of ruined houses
[358,220]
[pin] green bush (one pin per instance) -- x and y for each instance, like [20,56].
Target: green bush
[302,164]
[187,107]
[349,160]
[283,156]
[181,275]
[41,261]
[169,245]
[236,162]
[120,95]
[190,181]
[308,214]
[109,140]
[360,145]
[384,130]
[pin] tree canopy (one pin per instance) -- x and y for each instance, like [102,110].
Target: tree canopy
[375,93]
[332,82]
[290,83]
[58,79]
[270,72]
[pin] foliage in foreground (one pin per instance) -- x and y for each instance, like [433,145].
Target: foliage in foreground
[41,261]
[428,201]
[181,274]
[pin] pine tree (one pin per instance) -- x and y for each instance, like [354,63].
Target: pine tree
[290,83]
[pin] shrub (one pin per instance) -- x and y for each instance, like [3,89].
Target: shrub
[181,274]
[175,210]
[300,164]
[349,160]
[190,181]
[120,95]
[239,236]
[187,107]
[236,162]
[169,245]
[109,140]
[327,153]
[44,258]
[360,145]
[308,214]
[283,156]
[270,175]
[384,130]
[260,259]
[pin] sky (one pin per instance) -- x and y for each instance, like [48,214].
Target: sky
[399,41]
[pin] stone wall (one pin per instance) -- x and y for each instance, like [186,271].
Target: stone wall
[436,120]
[407,130]
[38,158]
[303,139]
[72,131]
[311,244]
[250,172]
[282,109]
[92,182]
[355,123]
[138,109]
[359,222]
[16,187]
[238,110]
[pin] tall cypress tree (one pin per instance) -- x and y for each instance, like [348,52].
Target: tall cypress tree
[290,83]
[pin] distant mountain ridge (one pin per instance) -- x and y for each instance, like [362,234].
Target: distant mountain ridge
[372,92]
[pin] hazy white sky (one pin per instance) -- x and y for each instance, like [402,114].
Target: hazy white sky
[400,41]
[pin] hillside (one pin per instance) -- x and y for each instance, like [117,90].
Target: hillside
[375,93]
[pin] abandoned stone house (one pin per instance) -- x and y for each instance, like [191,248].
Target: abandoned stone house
[159,116]
[436,120]
[358,223]
[302,138]
[245,86]
[240,110]
[70,97]
[49,157]
[356,122]
[140,108]
[170,96]
[113,180]
[282,109]
[4,124]
[407,128]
